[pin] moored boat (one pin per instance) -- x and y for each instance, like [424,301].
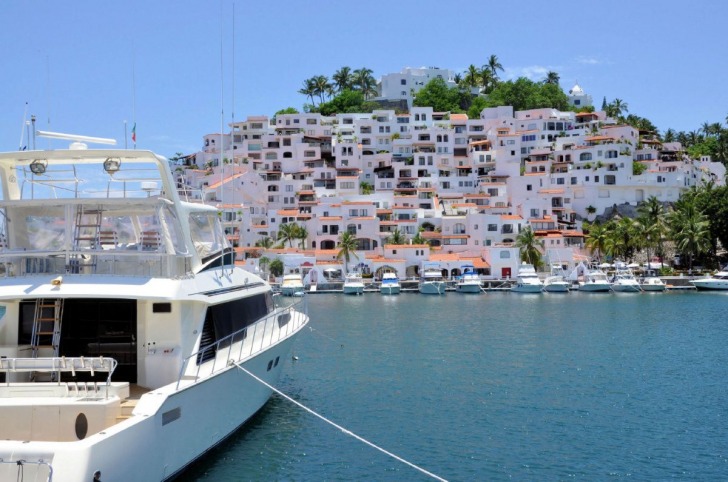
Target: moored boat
[653,284]
[353,284]
[390,284]
[129,336]
[556,282]
[292,285]
[431,281]
[527,280]
[469,281]
[718,281]
[624,280]
[595,281]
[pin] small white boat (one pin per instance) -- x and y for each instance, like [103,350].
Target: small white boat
[556,282]
[719,281]
[652,284]
[292,285]
[527,280]
[353,284]
[624,280]
[469,282]
[431,281]
[595,281]
[390,284]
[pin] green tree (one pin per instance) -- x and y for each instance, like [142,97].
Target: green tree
[276,267]
[439,96]
[525,94]
[494,66]
[308,89]
[287,233]
[530,247]
[265,242]
[476,107]
[322,87]
[287,110]
[652,224]
[347,248]
[396,237]
[552,78]
[366,188]
[343,79]
[263,262]
[690,230]
[418,238]
[364,81]
[596,238]
[301,236]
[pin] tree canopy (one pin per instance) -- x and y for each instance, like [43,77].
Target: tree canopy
[524,94]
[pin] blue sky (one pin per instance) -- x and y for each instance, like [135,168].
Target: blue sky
[85,67]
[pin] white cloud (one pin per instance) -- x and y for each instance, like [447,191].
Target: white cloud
[589,60]
[532,72]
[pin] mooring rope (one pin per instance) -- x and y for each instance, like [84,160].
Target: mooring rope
[342,429]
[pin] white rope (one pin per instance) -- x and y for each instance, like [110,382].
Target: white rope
[344,430]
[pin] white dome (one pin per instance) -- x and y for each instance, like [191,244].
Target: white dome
[576,90]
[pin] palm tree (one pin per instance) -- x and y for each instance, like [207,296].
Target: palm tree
[342,79]
[347,248]
[690,230]
[309,89]
[396,237]
[653,215]
[494,66]
[552,78]
[529,246]
[276,267]
[263,262]
[265,242]
[487,80]
[472,76]
[288,232]
[302,235]
[457,79]
[669,136]
[363,80]
[321,86]
[418,239]
[596,239]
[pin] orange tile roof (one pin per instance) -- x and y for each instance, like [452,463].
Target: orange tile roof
[287,212]
[406,246]
[511,217]
[476,262]
[455,236]
[330,218]
[551,191]
[445,257]
[224,181]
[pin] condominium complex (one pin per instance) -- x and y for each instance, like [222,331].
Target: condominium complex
[466,186]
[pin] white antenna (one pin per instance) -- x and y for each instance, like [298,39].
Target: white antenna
[77,138]
[22,127]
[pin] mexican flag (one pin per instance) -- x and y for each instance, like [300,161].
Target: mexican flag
[133,133]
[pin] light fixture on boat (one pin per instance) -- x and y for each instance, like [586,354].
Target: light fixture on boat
[112,164]
[38,166]
[57,281]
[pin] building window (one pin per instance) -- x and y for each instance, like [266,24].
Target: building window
[492,227]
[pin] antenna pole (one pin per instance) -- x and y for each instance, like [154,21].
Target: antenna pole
[32,120]
[22,127]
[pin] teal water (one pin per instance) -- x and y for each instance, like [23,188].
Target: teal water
[499,386]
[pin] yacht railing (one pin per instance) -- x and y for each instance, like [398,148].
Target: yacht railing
[61,364]
[267,331]
[22,463]
[105,262]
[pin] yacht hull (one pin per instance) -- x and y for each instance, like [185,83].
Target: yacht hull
[558,287]
[710,284]
[626,288]
[432,288]
[353,289]
[468,288]
[389,289]
[169,430]
[595,287]
[527,288]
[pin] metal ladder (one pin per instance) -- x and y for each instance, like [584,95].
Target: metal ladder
[86,234]
[47,325]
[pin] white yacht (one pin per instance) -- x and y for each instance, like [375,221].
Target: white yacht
[292,285]
[353,284]
[652,284]
[431,281]
[469,281]
[624,280]
[595,280]
[556,282]
[527,280]
[130,341]
[390,284]
[719,281]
